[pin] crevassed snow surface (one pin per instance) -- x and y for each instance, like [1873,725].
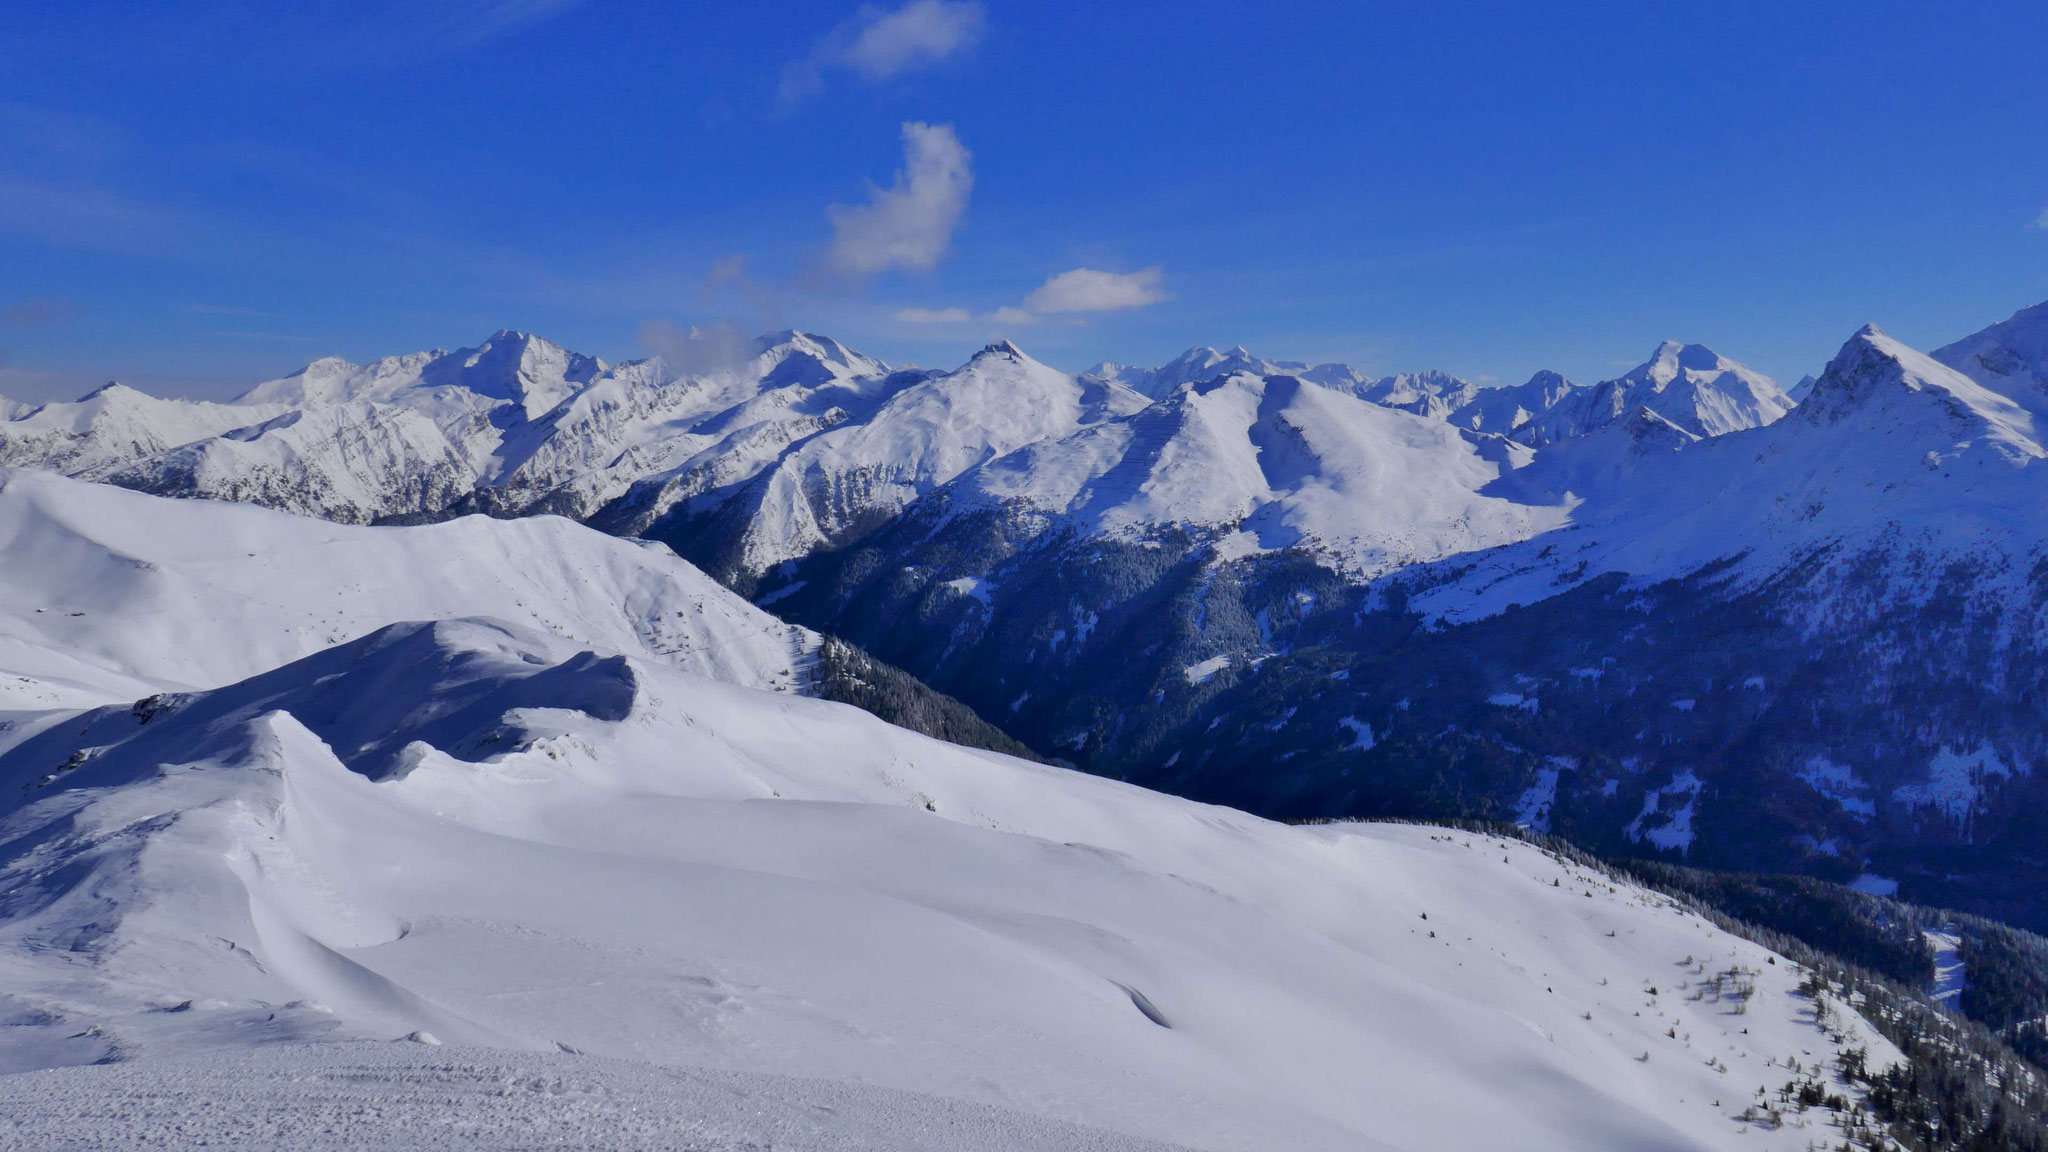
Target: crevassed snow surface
[491,834]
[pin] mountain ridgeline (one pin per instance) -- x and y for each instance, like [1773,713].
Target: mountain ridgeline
[1679,614]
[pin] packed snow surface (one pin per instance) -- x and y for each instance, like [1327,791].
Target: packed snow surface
[493,833]
[372,1095]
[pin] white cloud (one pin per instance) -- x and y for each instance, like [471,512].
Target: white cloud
[2042,221]
[1090,290]
[909,224]
[934,315]
[1074,291]
[878,43]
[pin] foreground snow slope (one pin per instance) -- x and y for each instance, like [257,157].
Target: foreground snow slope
[490,834]
[370,1095]
[111,595]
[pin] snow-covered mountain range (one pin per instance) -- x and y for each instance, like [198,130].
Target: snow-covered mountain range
[1160,573]
[525,787]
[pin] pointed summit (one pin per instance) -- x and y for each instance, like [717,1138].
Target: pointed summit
[1690,385]
[1878,380]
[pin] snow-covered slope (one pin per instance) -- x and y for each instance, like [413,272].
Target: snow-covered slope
[1693,387]
[113,426]
[1205,363]
[481,833]
[2010,357]
[344,1097]
[1893,456]
[109,595]
[1285,462]
[1506,410]
[516,425]
[856,476]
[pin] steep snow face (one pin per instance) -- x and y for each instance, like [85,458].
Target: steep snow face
[356,461]
[2010,358]
[1290,463]
[109,595]
[1692,386]
[114,426]
[853,478]
[686,435]
[480,834]
[1891,448]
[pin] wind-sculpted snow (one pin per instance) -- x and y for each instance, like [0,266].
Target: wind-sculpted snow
[110,595]
[487,836]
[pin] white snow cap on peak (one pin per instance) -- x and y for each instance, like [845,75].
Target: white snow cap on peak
[1874,371]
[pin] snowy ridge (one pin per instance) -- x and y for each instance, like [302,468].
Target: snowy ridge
[112,426]
[1892,453]
[576,847]
[1689,385]
[852,478]
[2010,358]
[1289,463]
[110,595]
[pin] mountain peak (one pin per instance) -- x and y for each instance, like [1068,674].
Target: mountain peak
[2010,357]
[1003,348]
[1874,371]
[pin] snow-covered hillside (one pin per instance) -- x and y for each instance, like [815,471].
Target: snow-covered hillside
[1892,453]
[108,595]
[2009,357]
[1279,461]
[495,833]
[851,479]
[1691,386]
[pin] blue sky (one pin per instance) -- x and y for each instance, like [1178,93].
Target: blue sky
[195,197]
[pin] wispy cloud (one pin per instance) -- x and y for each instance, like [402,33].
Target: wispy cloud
[1093,290]
[2041,221]
[878,43]
[1073,293]
[910,223]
